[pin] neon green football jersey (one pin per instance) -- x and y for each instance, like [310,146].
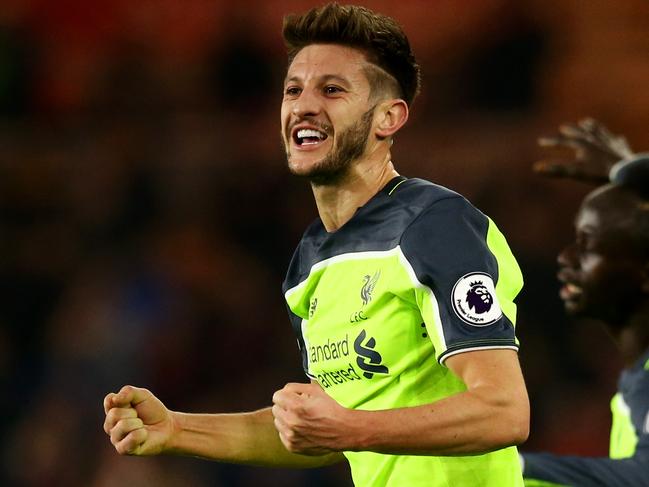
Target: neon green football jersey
[416,276]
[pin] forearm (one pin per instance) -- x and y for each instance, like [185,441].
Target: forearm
[463,424]
[244,438]
[492,413]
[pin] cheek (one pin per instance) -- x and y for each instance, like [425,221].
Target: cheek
[621,278]
[285,114]
[591,266]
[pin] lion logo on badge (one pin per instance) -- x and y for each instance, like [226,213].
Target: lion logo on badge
[479,298]
[474,299]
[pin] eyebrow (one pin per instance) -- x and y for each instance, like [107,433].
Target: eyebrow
[321,79]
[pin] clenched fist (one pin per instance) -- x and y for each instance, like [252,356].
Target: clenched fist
[310,422]
[137,422]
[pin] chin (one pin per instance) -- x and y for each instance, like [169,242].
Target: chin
[582,311]
[303,167]
[301,170]
[573,308]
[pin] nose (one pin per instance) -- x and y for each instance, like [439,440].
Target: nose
[568,256]
[306,105]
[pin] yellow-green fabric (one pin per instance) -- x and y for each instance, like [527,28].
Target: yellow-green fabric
[541,483]
[623,436]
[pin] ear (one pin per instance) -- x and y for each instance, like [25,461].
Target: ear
[391,114]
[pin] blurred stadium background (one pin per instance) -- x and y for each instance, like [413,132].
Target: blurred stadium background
[146,216]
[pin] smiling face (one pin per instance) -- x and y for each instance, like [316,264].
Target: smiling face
[604,271]
[327,112]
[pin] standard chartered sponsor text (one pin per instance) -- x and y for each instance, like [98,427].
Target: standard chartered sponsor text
[333,350]
[327,379]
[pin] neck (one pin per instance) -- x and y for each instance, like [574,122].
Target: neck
[633,338]
[338,202]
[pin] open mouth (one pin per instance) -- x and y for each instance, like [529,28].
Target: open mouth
[570,291]
[308,137]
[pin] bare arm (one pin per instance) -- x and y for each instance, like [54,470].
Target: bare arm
[595,151]
[245,438]
[492,413]
[139,424]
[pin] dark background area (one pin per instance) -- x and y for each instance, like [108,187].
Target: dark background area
[147,218]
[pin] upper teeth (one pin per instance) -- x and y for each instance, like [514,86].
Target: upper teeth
[573,288]
[302,133]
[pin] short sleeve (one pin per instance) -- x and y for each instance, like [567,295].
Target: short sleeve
[467,278]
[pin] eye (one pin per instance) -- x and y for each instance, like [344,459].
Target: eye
[332,90]
[292,91]
[586,242]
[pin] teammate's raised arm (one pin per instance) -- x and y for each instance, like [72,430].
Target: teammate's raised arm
[589,149]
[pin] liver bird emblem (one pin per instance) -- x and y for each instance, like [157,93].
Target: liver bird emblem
[368,287]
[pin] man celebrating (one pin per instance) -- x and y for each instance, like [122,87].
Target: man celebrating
[400,295]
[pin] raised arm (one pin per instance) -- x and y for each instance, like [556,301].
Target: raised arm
[596,150]
[492,413]
[138,423]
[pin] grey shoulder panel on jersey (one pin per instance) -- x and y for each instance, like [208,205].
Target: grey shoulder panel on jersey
[445,245]
[376,226]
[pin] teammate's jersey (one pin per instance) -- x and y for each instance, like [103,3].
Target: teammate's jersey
[416,276]
[628,464]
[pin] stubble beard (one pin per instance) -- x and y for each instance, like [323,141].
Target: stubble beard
[350,147]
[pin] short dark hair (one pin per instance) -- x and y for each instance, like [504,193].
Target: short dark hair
[380,37]
[628,214]
[633,177]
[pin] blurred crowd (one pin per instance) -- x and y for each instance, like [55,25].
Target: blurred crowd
[147,218]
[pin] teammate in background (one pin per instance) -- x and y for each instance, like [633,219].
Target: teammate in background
[400,295]
[605,276]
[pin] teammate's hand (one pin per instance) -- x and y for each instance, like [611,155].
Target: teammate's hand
[309,421]
[595,148]
[137,422]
